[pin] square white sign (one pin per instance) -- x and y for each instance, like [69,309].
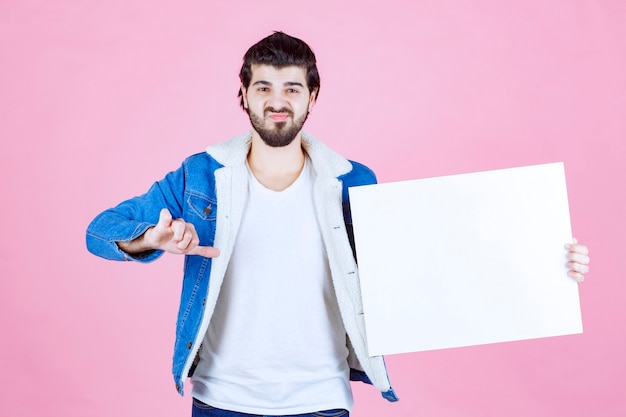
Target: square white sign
[465,259]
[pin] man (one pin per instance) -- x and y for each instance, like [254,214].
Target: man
[271,323]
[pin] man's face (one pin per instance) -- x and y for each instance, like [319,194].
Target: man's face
[278,102]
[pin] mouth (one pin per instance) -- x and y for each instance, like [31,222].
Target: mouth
[279,115]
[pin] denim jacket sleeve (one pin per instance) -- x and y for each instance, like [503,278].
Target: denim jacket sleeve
[131,218]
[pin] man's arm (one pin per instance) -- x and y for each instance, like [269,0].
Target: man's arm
[173,236]
[121,233]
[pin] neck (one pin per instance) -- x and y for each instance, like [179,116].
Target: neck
[276,168]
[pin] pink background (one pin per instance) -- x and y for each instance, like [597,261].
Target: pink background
[99,99]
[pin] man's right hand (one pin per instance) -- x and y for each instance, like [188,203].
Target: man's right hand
[173,236]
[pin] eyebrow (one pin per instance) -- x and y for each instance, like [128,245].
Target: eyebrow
[287,84]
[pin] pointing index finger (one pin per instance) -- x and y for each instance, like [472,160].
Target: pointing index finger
[206,251]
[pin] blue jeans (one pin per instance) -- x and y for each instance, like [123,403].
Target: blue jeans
[201,409]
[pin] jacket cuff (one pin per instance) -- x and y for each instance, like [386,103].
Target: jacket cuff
[102,240]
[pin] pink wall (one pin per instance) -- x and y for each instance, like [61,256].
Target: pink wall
[98,99]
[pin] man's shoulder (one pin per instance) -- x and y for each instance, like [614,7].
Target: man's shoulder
[226,153]
[360,174]
[200,160]
[331,163]
[223,153]
[360,168]
[231,151]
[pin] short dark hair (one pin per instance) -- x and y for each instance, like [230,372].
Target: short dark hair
[280,50]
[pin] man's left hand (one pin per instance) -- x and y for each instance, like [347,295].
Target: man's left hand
[577,260]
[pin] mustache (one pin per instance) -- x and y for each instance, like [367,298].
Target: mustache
[274,110]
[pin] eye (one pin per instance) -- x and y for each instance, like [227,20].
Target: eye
[292,90]
[263,89]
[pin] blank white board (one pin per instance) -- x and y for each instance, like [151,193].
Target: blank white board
[465,259]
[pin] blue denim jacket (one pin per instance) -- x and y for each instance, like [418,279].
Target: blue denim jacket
[208,190]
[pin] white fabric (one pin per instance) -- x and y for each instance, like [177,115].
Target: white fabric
[276,343]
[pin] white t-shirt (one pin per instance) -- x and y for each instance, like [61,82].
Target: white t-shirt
[276,343]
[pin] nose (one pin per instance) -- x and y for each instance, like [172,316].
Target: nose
[277,100]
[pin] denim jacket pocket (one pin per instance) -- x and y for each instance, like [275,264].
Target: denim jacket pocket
[202,206]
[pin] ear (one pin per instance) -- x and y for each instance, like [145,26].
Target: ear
[244,96]
[312,100]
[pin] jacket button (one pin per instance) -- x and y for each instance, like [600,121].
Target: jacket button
[204,302]
[208,210]
[189,345]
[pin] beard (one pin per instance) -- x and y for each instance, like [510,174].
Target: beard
[281,134]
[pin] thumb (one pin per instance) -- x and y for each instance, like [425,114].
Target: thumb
[165,218]
[206,251]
